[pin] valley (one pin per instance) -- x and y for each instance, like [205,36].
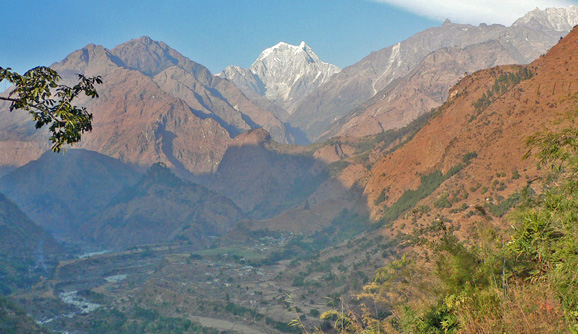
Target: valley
[240,285]
[428,188]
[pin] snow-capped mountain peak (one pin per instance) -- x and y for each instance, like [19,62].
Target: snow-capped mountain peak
[288,73]
[559,19]
[286,49]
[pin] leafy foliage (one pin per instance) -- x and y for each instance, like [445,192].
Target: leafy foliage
[502,207]
[50,103]
[546,235]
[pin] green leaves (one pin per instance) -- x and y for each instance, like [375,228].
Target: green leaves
[546,233]
[49,103]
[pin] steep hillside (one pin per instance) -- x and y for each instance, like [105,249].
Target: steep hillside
[284,74]
[15,320]
[26,250]
[363,80]
[470,153]
[60,192]
[162,208]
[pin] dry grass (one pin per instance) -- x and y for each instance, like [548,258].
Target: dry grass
[526,309]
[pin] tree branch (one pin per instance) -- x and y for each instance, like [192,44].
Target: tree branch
[8,99]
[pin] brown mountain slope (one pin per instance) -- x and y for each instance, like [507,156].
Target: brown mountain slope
[496,131]
[183,116]
[235,113]
[138,123]
[134,120]
[210,95]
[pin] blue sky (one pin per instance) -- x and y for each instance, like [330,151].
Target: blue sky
[218,33]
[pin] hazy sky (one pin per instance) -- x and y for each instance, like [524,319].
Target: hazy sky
[218,33]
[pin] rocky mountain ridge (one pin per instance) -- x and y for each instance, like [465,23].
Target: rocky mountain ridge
[559,19]
[424,88]
[359,82]
[182,116]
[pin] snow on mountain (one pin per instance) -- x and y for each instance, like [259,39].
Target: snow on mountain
[559,19]
[283,74]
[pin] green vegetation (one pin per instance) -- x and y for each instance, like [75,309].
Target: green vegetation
[38,92]
[504,206]
[468,157]
[497,281]
[502,85]
[13,320]
[382,196]
[140,320]
[337,167]
[442,202]
[429,183]
[515,174]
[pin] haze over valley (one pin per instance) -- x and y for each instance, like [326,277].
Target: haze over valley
[292,194]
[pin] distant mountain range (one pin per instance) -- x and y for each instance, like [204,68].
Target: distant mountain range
[158,106]
[378,74]
[155,105]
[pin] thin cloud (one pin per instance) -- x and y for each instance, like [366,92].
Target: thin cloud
[475,11]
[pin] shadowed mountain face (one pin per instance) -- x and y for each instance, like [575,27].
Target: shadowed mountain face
[357,83]
[263,180]
[287,188]
[26,250]
[162,208]
[60,192]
